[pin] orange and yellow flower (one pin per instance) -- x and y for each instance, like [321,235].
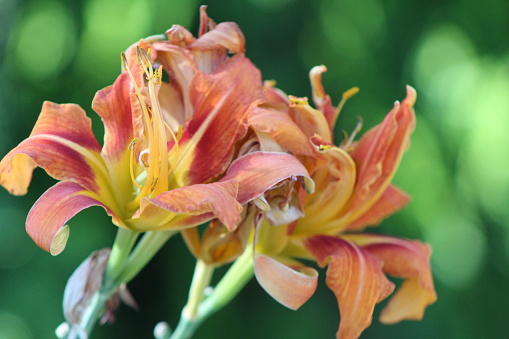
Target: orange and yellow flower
[353,191]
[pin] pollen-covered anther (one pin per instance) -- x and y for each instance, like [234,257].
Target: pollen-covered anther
[323,148]
[144,158]
[296,101]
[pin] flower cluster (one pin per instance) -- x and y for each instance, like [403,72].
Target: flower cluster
[193,136]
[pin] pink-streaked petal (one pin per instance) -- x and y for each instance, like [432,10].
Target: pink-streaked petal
[281,128]
[62,143]
[257,172]
[378,154]
[236,84]
[206,23]
[52,211]
[113,104]
[407,259]
[215,200]
[356,278]
[290,287]
[391,201]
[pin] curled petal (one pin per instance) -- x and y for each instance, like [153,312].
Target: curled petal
[62,143]
[405,259]
[335,182]
[46,220]
[190,206]
[356,278]
[256,172]
[290,287]
[321,99]
[378,154]
[225,35]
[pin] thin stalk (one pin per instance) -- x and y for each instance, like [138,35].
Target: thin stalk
[124,242]
[230,285]
[144,251]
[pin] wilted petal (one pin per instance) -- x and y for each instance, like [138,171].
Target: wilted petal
[356,278]
[62,143]
[53,209]
[256,172]
[182,207]
[391,201]
[378,154]
[406,259]
[82,285]
[290,287]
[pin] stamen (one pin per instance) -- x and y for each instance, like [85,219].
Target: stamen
[344,97]
[132,163]
[142,158]
[346,145]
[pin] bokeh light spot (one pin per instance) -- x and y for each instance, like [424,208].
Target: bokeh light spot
[12,326]
[44,42]
[353,27]
[13,250]
[459,251]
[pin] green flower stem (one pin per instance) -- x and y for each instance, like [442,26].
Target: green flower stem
[144,251]
[239,274]
[124,242]
[230,285]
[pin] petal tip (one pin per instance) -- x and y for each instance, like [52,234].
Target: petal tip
[59,240]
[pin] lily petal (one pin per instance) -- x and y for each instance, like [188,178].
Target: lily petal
[356,278]
[53,209]
[335,180]
[236,84]
[288,286]
[113,104]
[281,129]
[62,143]
[254,178]
[406,259]
[190,206]
[378,154]
[391,201]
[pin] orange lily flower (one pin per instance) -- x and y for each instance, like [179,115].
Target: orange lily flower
[165,144]
[353,191]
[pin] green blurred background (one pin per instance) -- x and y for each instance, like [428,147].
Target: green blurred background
[455,53]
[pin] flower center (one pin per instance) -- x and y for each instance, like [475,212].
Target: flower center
[150,171]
